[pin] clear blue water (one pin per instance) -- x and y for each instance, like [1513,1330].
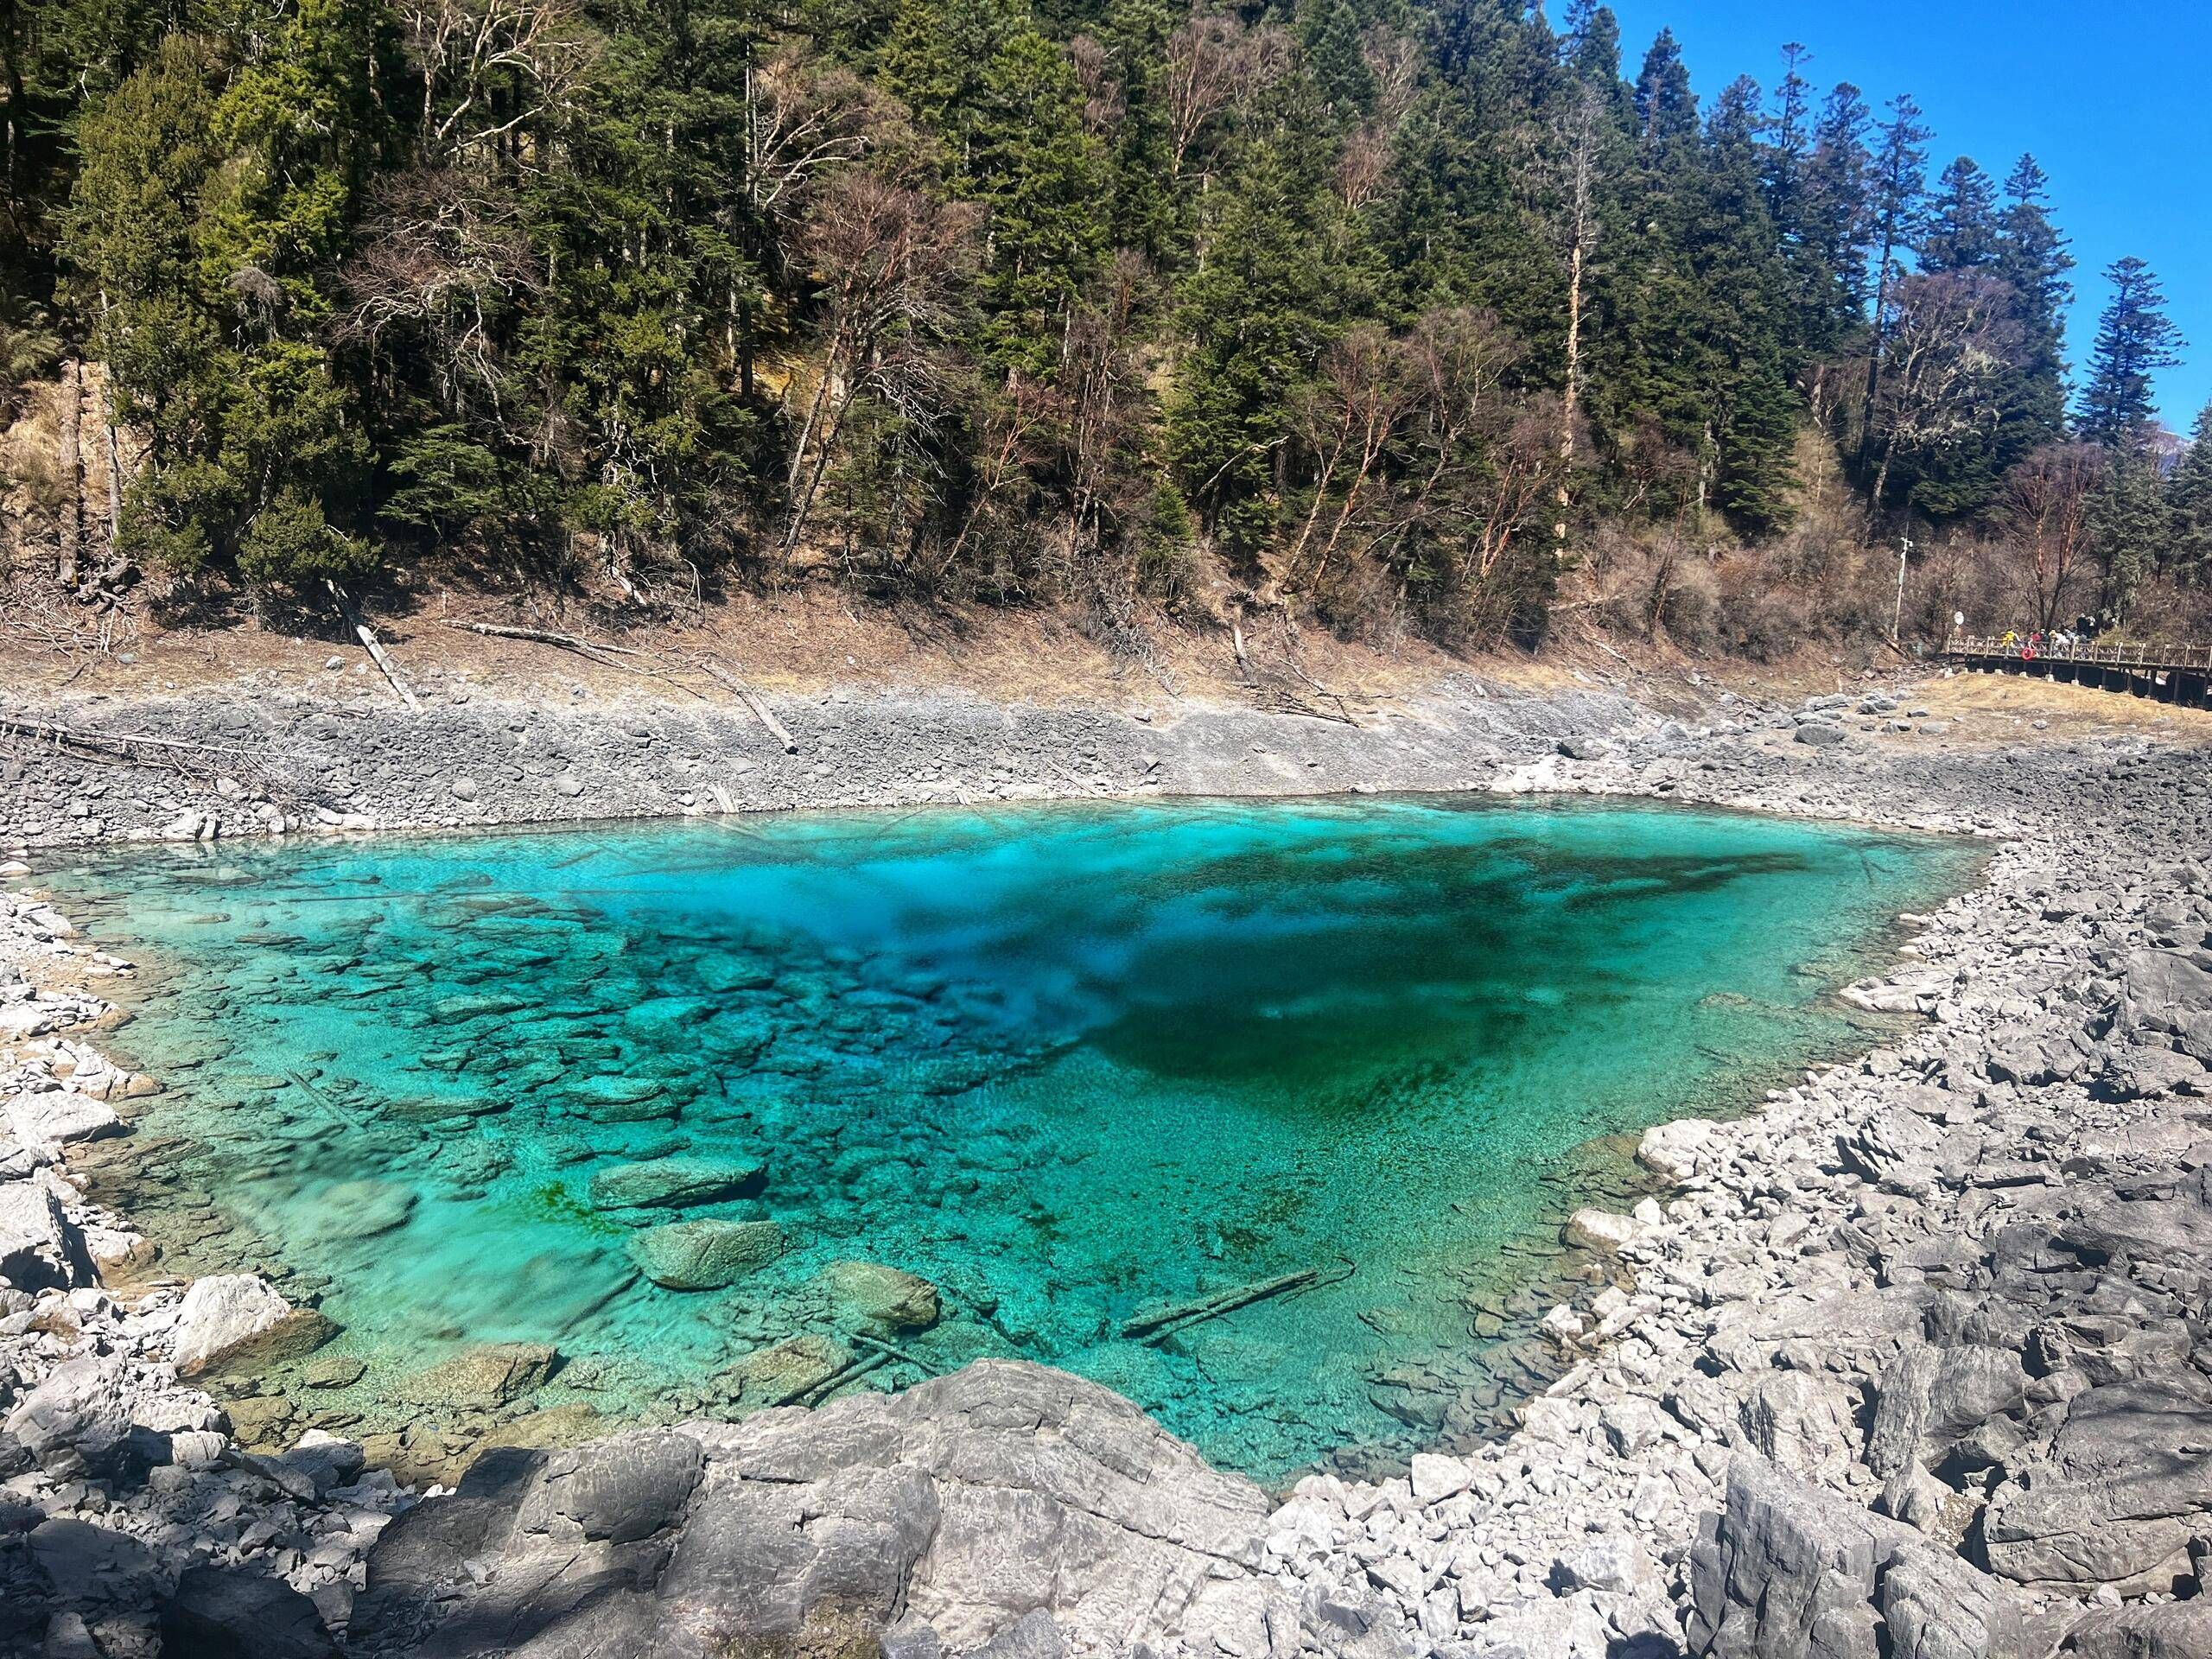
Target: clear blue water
[1067,1063]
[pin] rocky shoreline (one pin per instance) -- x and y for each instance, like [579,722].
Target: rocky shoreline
[1906,1366]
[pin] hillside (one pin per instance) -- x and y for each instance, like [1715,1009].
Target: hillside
[1373,318]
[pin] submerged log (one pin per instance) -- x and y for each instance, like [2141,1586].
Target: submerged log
[1164,1322]
[890,1353]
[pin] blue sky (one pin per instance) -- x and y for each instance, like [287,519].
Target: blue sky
[2109,96]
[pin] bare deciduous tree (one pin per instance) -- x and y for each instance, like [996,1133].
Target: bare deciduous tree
[1949,340]
[1214,63]
[2044,510]
[891,260]
[442,255]
[1367,386]
[490,69]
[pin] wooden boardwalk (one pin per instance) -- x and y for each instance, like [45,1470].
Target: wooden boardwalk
[2180,674]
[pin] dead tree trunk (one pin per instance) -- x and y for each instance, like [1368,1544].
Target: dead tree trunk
[70,527]
[115,482]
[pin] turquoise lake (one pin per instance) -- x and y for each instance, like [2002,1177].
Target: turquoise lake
[1068,1063]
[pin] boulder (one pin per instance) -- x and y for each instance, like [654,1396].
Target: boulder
[1614,1563]
[1788,1571]
[1935,1605]
[1671,1151]
[1785,1571]
[2180,1629]
[1435,1477]
[220,1612]
[233,1317]
[2164,994]
[1006,1508]
[705,1255]
[1817,734]
[78,1420]
[673,1183]
[41,1249]
[874,1294]
[625,1488]
[57,1117]
[1601,1231]
[2126,1519]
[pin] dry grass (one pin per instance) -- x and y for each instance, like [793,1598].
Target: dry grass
[2004,708]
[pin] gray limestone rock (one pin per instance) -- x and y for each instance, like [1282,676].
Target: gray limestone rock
[1785,1571]
[2165,994]
[2181,1630]
[970,1504]
[673,1183]
[216,1613]
[40,1246]
[705,1255]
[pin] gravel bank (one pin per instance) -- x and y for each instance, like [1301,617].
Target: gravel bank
[1910,1364]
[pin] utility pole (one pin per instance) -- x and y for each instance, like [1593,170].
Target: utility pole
[1897,612]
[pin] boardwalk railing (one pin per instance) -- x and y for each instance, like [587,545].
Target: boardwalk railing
[2168,673]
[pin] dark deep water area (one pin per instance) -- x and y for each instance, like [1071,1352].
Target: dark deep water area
[1069,1064]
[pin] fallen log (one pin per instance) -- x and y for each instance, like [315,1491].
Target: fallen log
[545,637]
[368,638]
[1161,1323]
[775,728]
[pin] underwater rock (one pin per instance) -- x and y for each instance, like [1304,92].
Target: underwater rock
[623,1099]
[335,1371]
[785,1372]
[490,1374]
[361,1209]
[672,1183]
[705,1255]
[875,1295]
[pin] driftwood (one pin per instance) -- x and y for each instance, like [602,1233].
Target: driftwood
[1162,1323]
[546,637]
[368,638]
[171,754]
[715,670]
[47,731]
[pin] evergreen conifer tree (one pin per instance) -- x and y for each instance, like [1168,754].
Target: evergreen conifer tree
[1896,181]
[1962,231]
[2135,339]
[2188,507]
[2032,259]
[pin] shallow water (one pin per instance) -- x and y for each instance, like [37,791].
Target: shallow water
[1069,1063]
